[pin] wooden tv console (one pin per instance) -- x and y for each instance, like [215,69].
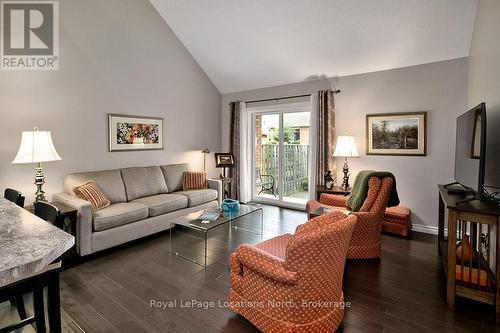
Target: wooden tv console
[481,222]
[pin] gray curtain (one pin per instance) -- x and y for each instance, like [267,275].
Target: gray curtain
[326,136]
[234,148]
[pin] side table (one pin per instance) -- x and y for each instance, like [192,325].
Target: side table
[333,190]
[66,219]
[226,186]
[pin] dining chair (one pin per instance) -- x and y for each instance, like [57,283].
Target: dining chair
[47,212]
[51,214]
[267,183]
[14,196]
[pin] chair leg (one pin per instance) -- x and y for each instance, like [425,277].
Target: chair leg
[18,301]
[21,310]
[54,303]
[39,309]
[271,189]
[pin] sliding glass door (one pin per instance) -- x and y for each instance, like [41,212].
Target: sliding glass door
[266,158]
[281,157]
[296,157]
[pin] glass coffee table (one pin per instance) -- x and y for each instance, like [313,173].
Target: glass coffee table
[242,221]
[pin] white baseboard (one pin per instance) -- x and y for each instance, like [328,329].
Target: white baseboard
[426,229]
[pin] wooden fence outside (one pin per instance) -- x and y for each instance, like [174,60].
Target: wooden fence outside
[296,166]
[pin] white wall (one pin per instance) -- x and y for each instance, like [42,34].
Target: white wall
[116,56]
[484,80]
[439,88]
[484,57]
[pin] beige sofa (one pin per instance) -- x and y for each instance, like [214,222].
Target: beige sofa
[143,201]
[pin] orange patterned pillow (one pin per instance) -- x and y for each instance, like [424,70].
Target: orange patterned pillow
[194,180]
[91,192]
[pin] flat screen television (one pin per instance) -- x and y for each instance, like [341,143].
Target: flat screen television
[470,150]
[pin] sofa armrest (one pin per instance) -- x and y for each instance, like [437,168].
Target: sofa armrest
[333,199]
[265,264]
[216,184]
[84,220]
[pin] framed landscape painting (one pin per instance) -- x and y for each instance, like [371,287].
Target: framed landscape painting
[396,134]
[128,132]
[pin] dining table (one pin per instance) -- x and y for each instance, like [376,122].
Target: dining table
[29,252]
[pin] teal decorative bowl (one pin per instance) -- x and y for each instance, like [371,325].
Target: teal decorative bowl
[230,206]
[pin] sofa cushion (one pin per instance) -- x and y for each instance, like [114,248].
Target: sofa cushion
[163,203]
[174,174]
[119,214]
[109,181]
[198,197]
[143,182]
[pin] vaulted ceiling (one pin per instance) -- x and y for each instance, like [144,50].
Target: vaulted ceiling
[248,44]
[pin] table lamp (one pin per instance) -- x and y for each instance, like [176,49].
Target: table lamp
[346,147]
[37,147]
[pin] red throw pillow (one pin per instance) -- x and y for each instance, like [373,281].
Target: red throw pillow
[194,180]
[91,192]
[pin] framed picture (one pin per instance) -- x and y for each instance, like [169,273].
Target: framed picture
[402,133]
[224,160]
[127,132]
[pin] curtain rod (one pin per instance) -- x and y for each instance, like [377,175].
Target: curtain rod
[276,99]
[287,97]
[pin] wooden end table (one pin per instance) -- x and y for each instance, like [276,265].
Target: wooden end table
[66,219]
[226,186]
[333,190]
[476,219]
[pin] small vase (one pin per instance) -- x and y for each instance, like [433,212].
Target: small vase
[465,252]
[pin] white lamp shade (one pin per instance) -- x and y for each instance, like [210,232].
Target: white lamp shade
[36,146]
[346,147]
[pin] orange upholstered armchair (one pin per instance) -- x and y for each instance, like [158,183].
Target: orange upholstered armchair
[366,238]
[293,283]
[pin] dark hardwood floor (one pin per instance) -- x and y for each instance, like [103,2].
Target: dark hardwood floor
[404,292]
